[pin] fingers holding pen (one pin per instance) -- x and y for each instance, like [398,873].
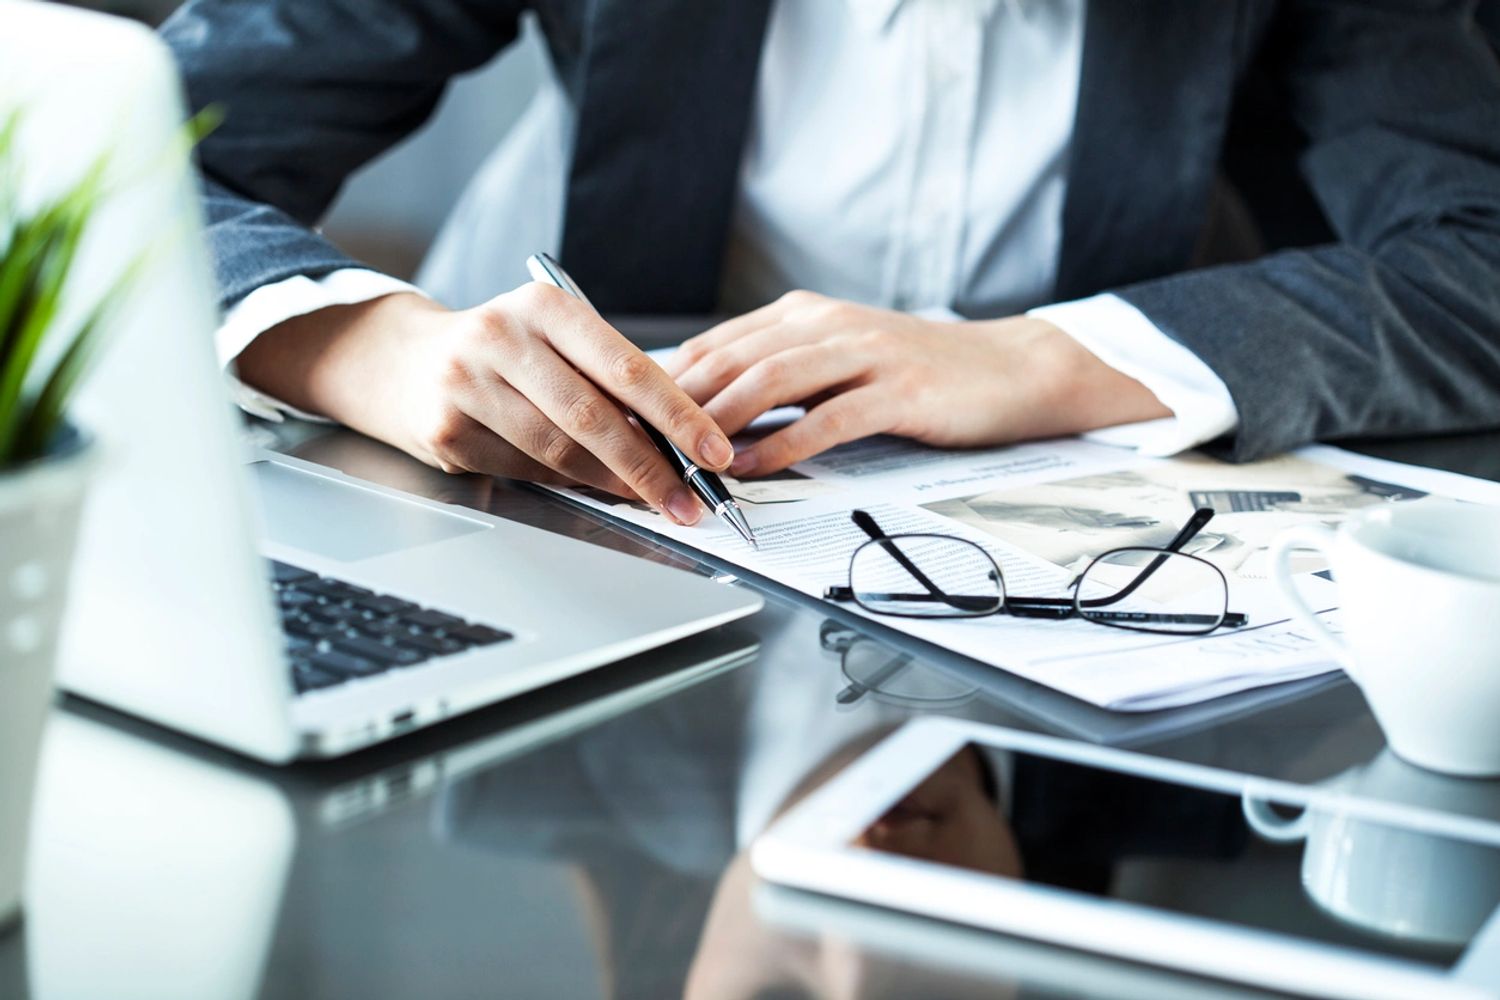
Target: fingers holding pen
[555,373]
[587,420]
[505,416]
[608,359]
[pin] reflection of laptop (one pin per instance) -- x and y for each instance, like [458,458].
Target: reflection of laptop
[474,746]
[124,811]
[391,611]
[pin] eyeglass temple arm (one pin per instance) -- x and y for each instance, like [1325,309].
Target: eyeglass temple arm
[1021,603]
[866,523]
[1032,607]
[963,602]
[1194,524]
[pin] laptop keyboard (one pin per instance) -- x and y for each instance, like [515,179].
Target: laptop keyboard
[337,632]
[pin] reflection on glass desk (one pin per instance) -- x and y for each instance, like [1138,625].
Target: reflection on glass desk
[1315,890]
[1366,884]
[583,841]
[163,864]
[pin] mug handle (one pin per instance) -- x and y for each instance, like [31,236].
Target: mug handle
[1270,826]
[1320,539]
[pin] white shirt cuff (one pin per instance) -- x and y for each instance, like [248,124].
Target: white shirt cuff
[273,304]
[1121,336]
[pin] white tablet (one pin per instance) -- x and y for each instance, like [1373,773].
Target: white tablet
[1268,883]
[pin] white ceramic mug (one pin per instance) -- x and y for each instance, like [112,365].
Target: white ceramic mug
[1397,882]
[1419,598]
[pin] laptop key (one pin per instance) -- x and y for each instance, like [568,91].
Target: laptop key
[307,629]
[343,664]
[310,678]
[334,590]
[428,618]
[433,644]
[383,605]
[333,614]
[292,599]
[284,573]
[478,635]
[370,649]
[380,628]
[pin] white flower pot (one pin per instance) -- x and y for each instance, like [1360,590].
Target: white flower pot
[40,503]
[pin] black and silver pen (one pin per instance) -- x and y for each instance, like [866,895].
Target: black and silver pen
[709,487]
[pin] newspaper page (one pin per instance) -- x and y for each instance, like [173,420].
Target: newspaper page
[1043,511]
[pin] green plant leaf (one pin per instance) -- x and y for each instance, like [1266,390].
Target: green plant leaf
[9,126]
[37,425]
[19,274]
[201,125]
[37,254]
[45,274]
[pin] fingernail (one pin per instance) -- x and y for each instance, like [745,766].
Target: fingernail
[715,450]
[744,463]
[684,507]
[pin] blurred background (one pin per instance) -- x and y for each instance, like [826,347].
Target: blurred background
[391,210]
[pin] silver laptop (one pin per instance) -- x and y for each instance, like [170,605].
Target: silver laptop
[263,603]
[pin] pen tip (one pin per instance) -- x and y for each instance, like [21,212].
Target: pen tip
[736,519]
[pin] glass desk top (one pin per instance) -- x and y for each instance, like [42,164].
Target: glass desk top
[588,840]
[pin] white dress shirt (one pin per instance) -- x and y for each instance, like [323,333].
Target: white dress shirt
[910,154]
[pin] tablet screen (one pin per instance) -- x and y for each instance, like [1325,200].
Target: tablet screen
[1307,873]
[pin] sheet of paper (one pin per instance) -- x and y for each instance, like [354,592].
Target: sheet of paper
[1042,511]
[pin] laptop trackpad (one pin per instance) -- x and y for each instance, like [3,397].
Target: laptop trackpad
[345,522]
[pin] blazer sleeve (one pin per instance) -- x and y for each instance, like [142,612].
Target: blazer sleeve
[1395,329]
[311,91]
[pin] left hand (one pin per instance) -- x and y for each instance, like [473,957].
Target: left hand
[861,371]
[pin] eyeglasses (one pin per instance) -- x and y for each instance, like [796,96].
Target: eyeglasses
[1140,588]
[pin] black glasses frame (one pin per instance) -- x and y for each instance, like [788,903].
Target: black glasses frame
[1090,609]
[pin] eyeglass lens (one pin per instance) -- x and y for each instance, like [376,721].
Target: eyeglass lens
[925,576]
[1150,590]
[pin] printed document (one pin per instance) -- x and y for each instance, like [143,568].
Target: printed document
[1043,511]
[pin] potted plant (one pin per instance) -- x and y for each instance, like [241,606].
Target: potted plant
[46,338]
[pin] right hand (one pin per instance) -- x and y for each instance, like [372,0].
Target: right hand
[530,385]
